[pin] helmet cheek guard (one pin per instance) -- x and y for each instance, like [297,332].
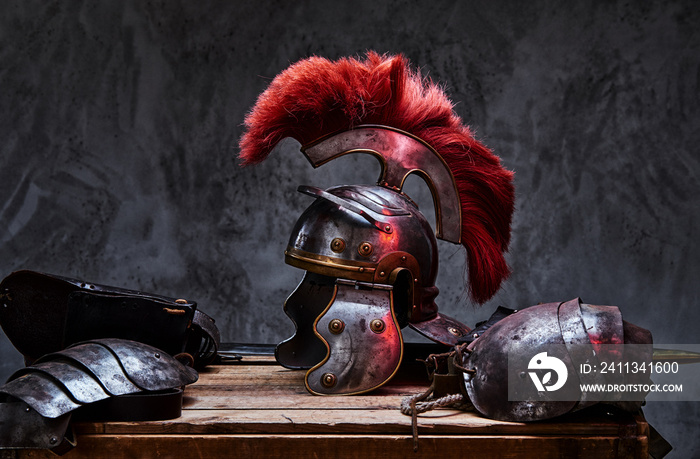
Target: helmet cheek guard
[358,314]
[369,254]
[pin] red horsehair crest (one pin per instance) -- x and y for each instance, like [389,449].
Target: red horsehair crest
[411,127]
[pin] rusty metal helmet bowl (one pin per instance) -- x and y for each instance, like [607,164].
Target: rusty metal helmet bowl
[371,262]
[368,234]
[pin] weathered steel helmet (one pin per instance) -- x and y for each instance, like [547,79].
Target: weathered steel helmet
[542,362]
[571,334]
[370,255]
[371,235]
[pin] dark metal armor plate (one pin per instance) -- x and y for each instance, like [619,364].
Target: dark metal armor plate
[577,332]
[48,392]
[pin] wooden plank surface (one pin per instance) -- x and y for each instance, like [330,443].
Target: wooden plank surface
[331,446]
[343,421]
[256,408]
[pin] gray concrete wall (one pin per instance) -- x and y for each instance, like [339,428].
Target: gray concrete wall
[119,124]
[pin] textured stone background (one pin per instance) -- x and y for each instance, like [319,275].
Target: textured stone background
[119,124]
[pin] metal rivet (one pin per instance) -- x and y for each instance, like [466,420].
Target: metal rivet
[157,355]
[337,245]
[382,274]
[387,228]
[328,380]
[336,326]
[403,258]
[361,270]
[365,249]
[53,440]
[377,325]
[27,409]
[454,331]
[181,301]
[475,335]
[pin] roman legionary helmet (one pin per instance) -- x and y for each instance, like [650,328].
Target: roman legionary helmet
[370,255]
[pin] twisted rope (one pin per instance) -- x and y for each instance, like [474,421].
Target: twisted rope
[411,405]
[414,404]
[421,403]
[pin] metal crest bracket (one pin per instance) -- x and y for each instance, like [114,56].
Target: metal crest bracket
[400,154]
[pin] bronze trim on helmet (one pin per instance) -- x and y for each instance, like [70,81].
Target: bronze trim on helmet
[330,266]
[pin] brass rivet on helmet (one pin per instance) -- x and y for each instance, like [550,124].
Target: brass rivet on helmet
[336,326]
[377,325]
[454,331]
[328,380]
[337,245]
[365,249]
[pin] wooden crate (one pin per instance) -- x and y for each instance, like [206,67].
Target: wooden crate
[255,408]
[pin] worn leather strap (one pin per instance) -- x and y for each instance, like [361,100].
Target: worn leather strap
[204,341]
[43,313]
[142,406]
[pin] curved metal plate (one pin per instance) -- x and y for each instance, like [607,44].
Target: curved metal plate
[578,345]
[101,363]
[363,353]
[400,154]
[22,427]
[603,324]
[41,393]
[81,386]
[379,221]
[521,333]
[441,329]
[304,349]
[149,368]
